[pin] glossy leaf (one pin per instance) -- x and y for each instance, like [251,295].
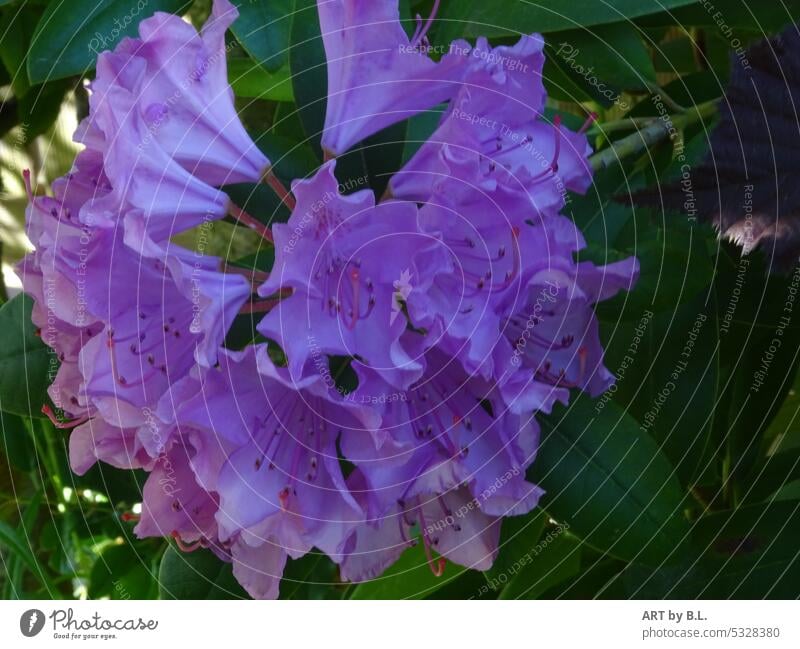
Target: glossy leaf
[67,42]
[309,72]
[27,365]
[557,558]
[610,482]
[264,29]
[196,575]
[479,18]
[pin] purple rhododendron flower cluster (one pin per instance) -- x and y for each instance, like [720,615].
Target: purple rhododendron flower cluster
[455,300]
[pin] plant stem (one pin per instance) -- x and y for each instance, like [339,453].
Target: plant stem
[654,132]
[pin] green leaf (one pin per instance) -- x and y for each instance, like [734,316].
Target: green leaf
[666,363]
[409,577]
[264,29]
[610,482]
[759,18]
[772,475]
[10,539]
[745,553]
[518,537]
[556,558]
[472,18]
[309,71]
[612,55]
[27,366]
[121,572]
[290,159]
[419,128]
[674,267]
[313,576]
[17,443]
[755,333]
[250,80]
[197,575]
[17,26]
[67,42]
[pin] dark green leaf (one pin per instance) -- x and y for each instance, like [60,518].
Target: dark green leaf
[733,16]
[666,363]
[313,576]
[760,352]
[610,482]
[309,72]
[27,366]
[264,28]
[607,55]
[197,575]
[556,558]
[471,18]
[16,443]
[17,25]
[747,553]
[67,41]
[121,572]
[518,536]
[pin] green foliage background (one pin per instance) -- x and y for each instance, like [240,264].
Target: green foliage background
[692,494]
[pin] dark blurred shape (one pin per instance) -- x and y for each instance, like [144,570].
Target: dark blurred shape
[748,184]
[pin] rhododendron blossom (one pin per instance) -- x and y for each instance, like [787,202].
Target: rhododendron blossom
[402,345]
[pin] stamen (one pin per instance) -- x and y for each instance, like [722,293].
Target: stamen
[587,124]
[553,168]
[417,30]
[436,565]
[422,34]
[48,412]
[355,277]
[26,175]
